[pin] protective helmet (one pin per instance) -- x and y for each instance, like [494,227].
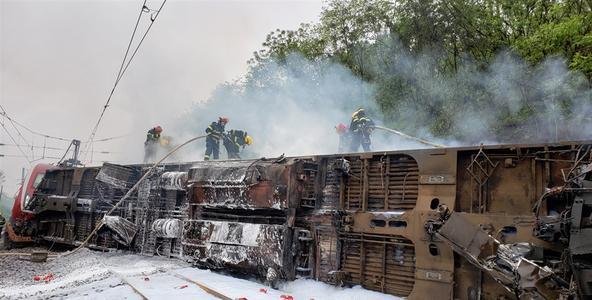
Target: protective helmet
[358,113]
[248,140]
[340,128]
[158,129]
[223,120]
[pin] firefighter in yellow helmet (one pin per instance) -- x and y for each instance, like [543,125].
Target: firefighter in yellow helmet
[361,127]
[234,140]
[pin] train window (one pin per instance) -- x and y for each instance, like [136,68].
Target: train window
[434,204]
[377,223]
[38,180]
[434,251]
[397,224]
[27,195]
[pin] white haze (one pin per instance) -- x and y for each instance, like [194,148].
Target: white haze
[58,61]
[292,108]
[289,108]
[560,98]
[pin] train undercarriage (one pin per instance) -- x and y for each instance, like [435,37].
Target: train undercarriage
[489,222]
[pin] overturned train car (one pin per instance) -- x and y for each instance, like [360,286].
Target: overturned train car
[491,222]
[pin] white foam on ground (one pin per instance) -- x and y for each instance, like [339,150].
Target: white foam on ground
[95,275]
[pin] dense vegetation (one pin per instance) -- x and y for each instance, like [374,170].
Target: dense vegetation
[472,70]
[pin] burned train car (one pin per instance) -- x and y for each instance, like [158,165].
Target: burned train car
[490,222]
[70,202]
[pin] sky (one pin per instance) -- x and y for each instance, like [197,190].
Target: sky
[59,59]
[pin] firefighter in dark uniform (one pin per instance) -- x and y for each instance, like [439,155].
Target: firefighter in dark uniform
[234,140]
[214,133]
[360,129]
[152,143]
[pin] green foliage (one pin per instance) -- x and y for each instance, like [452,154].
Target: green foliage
[567,35]
[437,63]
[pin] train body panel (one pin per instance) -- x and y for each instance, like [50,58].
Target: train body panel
[346,219]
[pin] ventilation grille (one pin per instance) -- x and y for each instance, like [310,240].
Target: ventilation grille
[392,183]
[380,263]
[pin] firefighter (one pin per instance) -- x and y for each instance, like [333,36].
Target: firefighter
[234,140]
[360,128]
[344,137]
[151,144]
[215,132]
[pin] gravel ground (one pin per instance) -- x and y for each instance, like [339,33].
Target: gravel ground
[18,271]
[72,271]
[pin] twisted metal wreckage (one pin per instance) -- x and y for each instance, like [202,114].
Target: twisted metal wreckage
[490,222]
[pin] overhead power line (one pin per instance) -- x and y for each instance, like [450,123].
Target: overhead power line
[14,126]
[129,45]
[14,155]
[13,140]
[123,69]
[37,133]
[5,114]
[109,138]
[54,148]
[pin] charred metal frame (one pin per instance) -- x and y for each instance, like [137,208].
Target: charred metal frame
[347,219]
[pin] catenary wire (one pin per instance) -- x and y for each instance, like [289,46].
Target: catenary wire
[54,148]
[3,113]
[44,135]
[122,71]
[20,149]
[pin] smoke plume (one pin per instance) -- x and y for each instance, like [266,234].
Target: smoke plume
[292,106]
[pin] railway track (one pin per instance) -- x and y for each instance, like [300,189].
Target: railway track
[145,288]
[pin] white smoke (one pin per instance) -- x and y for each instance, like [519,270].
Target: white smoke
[505,101]
[292,107]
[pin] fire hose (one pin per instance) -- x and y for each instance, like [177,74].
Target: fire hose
[408,136]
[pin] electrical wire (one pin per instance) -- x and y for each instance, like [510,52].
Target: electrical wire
[47,136]
[57,149]
[14,155]
[5,114]
[15,128]
[122,69]
[109,138]
[20,149]
[129,45]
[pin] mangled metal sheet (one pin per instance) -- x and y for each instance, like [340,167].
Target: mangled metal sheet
[241,184]
[242,246]
[116,176]
[124,230]
[228,172]
[506,263]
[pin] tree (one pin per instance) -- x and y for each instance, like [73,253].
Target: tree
[450,66]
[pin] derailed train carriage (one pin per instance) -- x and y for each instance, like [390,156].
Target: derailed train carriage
[490,222]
